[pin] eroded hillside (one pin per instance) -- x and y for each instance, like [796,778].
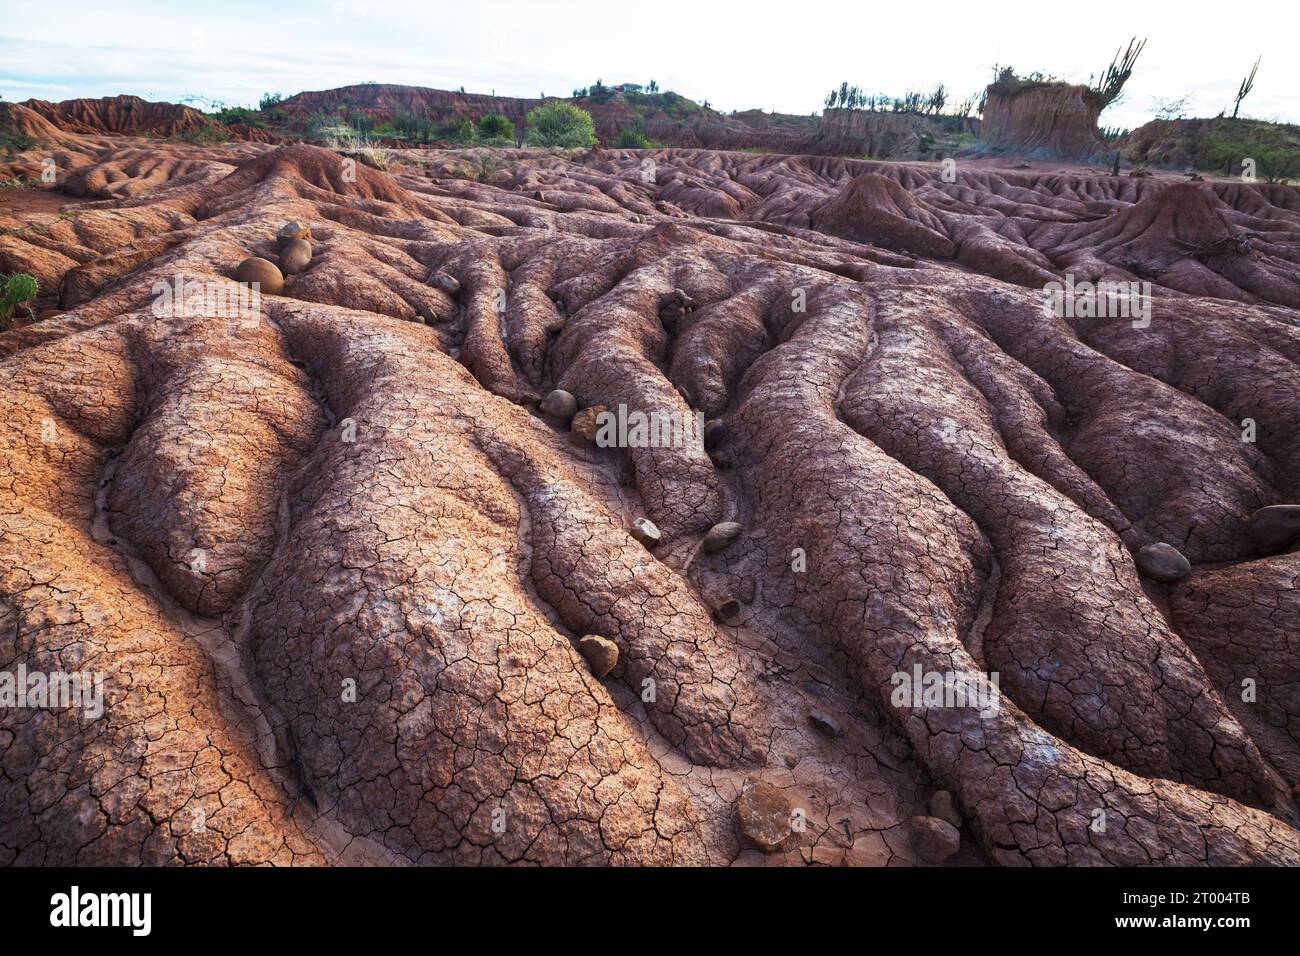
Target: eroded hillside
[335,560]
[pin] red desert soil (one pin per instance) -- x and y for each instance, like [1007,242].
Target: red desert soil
[336,564]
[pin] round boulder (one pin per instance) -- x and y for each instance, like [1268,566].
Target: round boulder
[721,535]
[1274,528]
[560,404]
[1163,562]
[295,257]
[934,840]
[763,813]
[265,273]
[601,653]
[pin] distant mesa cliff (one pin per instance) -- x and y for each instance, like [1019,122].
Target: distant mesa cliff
[1042,120]
[119,114]
[846,132]
[116,116]
[688,125]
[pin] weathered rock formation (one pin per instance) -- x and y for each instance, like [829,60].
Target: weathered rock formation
[1043,120]
[889,135]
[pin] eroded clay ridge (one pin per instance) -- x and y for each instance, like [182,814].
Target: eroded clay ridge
[335,561]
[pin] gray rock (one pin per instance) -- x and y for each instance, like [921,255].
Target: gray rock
[295,257]
[727,610]
[1163,562]
[1273,528]
[601,653]
[675,307]
[560,404]
[714,434]
[646,531]
[934,840]
[291,231]
[825,723]
[721,536]
[763,814]
[447,283]
[941,806]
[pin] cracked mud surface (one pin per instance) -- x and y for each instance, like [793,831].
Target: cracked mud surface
[334,563]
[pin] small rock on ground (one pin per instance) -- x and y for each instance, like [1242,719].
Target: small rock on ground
[601,653]
[721,535]
[934,840]
[1163,562]
[763,813]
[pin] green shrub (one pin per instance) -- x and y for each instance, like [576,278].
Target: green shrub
[415,127]
[496,129]
[632,138]
[205,135]
[1275,148]
[461,130]
[230,115]
[15,291]
[560,124]
[13,142]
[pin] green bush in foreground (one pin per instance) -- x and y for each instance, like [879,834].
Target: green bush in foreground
[495,129]
[560,124]
[15,291]
[632,138]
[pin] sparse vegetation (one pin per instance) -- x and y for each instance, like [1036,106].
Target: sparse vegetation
[632,138]
[1275,148]
[1247,85]
[496,130]
[848,97]
[1172,109]
[16,291]
[242,115]
[1108,88]
[560,124]
[205,135]
[12,141]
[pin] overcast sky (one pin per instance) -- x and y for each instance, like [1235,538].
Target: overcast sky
[766,55]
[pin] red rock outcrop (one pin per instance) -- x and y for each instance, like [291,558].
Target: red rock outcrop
[1043,120]
[119,115]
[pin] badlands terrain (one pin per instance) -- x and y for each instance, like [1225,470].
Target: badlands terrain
[336,561]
